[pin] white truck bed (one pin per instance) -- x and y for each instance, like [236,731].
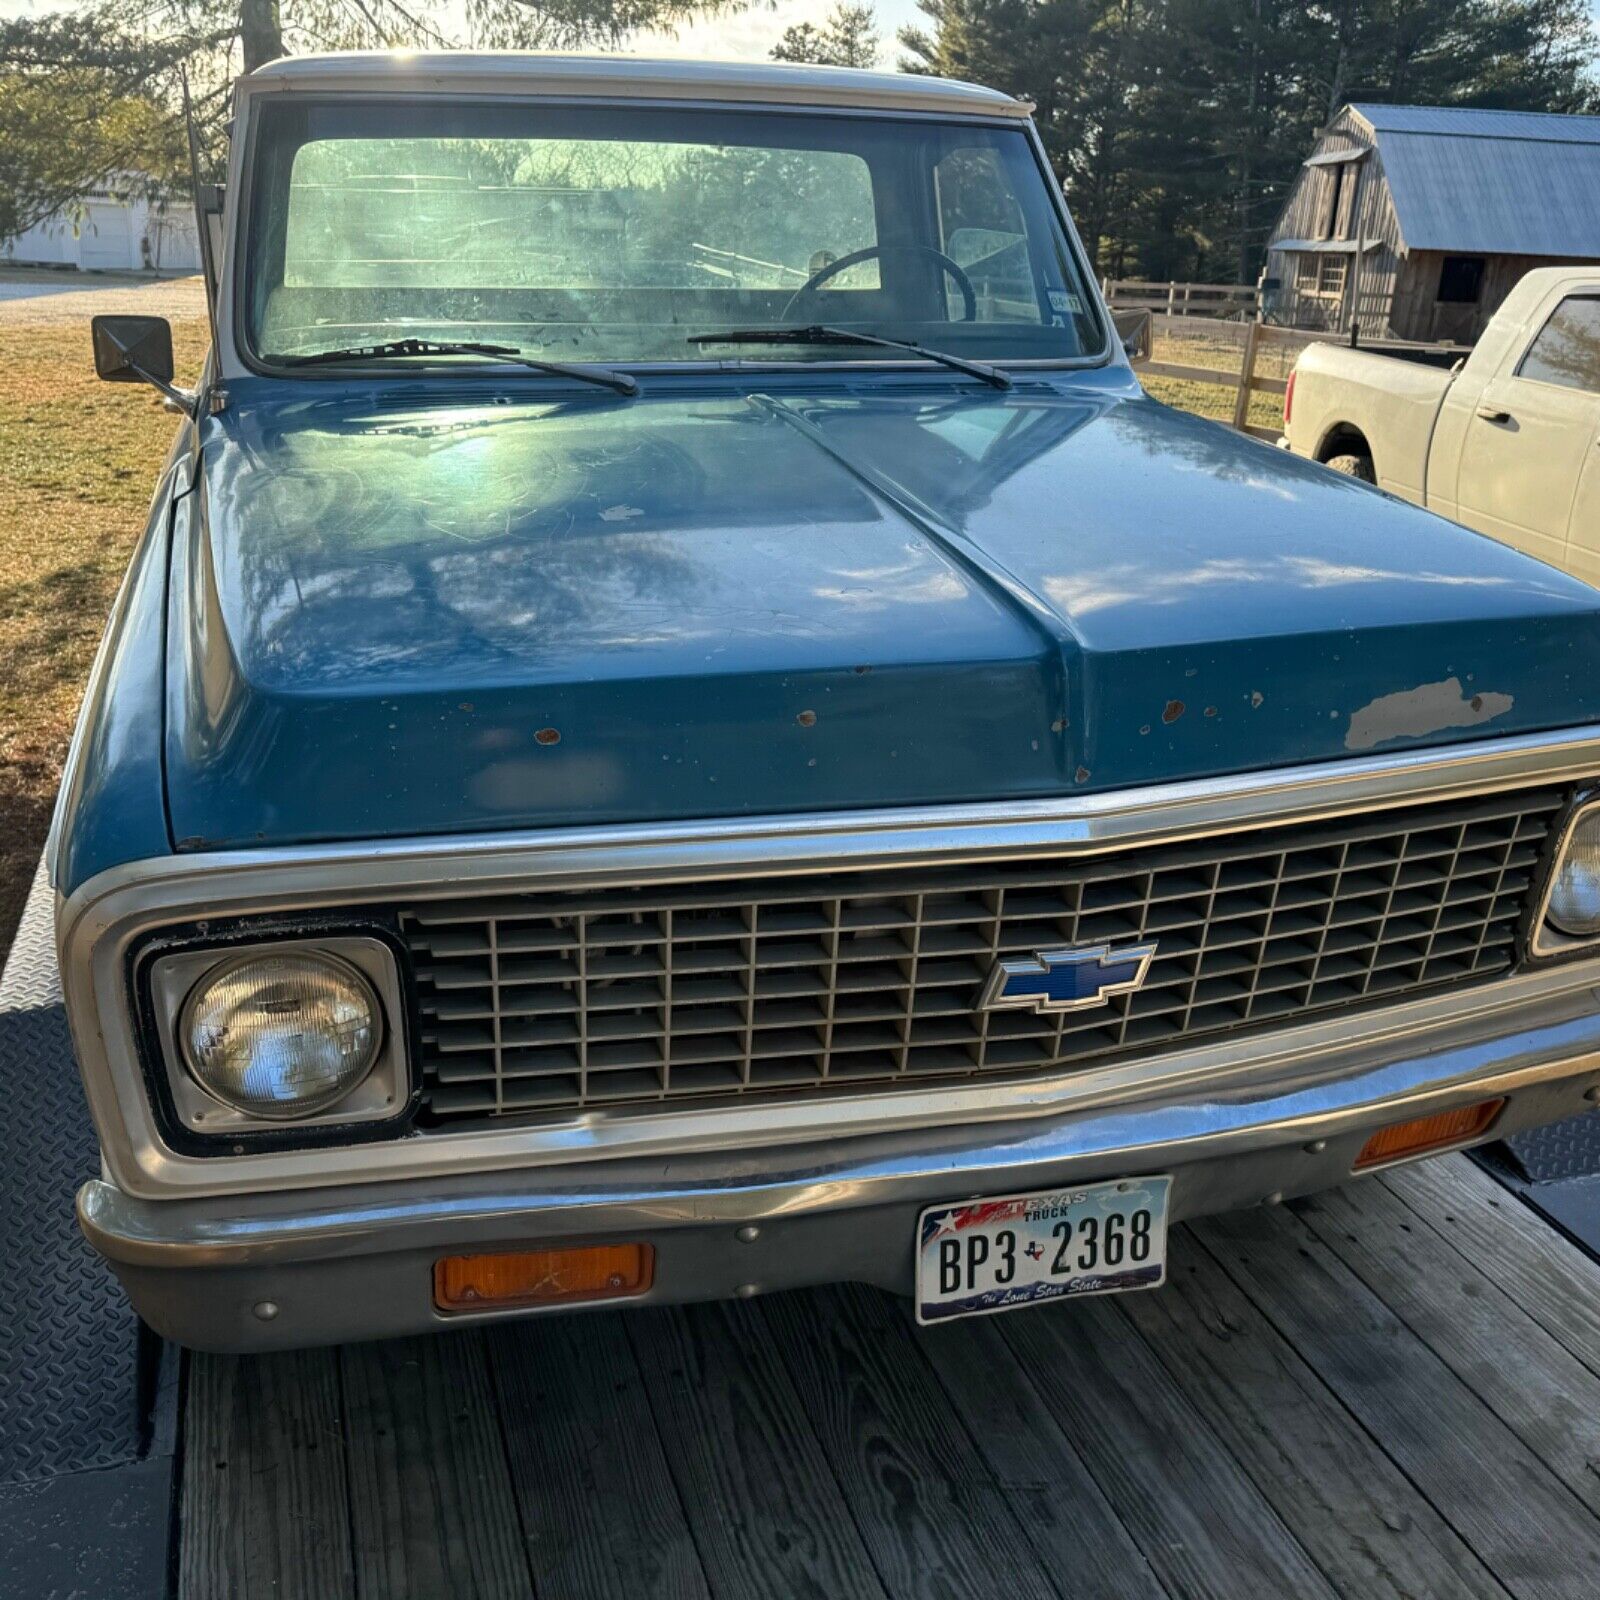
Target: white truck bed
[1508,443]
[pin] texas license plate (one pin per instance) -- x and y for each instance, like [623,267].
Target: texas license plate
[993,1255]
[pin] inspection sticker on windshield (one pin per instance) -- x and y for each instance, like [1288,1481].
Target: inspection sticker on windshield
[995,1255]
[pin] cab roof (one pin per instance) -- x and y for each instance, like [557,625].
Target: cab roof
[535,72]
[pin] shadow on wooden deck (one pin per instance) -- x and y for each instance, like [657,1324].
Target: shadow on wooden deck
[1392,1390]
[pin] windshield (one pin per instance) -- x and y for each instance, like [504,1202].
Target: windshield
[625,233]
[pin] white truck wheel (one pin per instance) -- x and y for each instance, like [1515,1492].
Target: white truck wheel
[1353,466]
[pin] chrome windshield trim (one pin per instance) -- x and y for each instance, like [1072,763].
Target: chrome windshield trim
[237,359]
[100,921]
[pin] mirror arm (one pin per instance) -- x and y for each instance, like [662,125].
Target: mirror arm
[183,399]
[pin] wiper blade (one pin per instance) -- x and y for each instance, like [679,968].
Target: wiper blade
[818,333]
[508,353]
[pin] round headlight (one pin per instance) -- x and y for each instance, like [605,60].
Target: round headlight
[281,1036]
[1574,905]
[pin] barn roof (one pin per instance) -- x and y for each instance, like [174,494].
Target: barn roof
[1491,182]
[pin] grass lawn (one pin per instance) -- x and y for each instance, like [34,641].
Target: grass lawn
[1210,400]
[78,460]
[1201,343]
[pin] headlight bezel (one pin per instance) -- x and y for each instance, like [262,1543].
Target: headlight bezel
[330,965]
[383,1096]
[1547,941]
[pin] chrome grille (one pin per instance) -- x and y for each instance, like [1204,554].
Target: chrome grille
[576,998]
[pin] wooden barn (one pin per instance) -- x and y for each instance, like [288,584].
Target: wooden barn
[1414,222]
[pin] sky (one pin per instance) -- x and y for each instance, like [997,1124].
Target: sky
[749,36]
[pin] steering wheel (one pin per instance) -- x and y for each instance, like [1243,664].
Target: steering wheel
[969,300]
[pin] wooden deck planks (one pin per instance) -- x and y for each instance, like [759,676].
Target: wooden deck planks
[431,1508]
[1540,1541]
[768,1516]
[1201,1522]
[264,1501]
[1533,1383]
[930,1515]
[1387,1392]
[600,1511]
[1368,1528]
[1547,1275]
[1068,1521]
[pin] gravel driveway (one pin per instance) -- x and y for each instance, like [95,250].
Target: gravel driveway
[40,298]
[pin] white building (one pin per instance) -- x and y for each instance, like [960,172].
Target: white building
[113,230]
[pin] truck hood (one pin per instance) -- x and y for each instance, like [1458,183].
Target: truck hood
[396,612]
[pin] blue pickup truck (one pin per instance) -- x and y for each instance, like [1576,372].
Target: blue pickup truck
[682,727]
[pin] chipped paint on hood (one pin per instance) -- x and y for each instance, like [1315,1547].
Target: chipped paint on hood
[1420,713]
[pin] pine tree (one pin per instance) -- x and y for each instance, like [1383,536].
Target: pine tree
[848,37]
[1177,126]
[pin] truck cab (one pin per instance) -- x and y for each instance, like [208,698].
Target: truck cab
[1507,442]
[1516,449]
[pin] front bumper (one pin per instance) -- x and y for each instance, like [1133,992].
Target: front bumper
[281,1269]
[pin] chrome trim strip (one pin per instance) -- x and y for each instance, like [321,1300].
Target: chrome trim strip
[724,1190]
[1544,938]
[102,918]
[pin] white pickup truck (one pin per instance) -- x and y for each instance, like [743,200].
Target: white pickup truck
[1507,442]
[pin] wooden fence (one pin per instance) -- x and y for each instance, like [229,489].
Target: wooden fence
[1233,300]
[1249,358]
[1247,380]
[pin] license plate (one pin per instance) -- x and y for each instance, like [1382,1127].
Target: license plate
[994,1255]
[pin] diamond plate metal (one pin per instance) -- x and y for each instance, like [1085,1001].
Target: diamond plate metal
[1566,1149]
[68,1385]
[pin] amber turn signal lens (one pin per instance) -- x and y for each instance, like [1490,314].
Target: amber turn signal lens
[1437,1132]
[542,1277]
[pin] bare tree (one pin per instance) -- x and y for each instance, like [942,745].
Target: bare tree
[84,94]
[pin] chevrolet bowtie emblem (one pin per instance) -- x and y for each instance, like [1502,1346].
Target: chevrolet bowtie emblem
[1066,980]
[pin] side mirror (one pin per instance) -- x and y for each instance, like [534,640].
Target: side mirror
[1134,330]
[133,349]
[138,350]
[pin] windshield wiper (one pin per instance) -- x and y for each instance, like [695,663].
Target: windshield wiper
[818,333]
[508,353]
